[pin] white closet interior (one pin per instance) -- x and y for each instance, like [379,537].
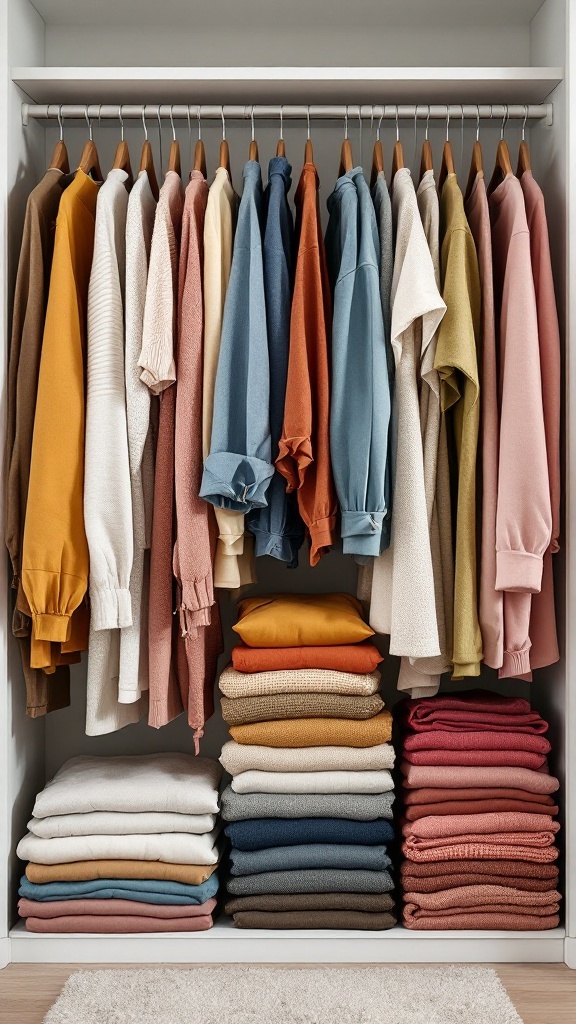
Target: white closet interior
[370,52]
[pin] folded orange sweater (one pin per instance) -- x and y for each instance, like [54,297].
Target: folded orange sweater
[316,732]
[360,658]
[86,870]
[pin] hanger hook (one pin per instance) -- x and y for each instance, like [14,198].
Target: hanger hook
[447,123]
[121,119]
[477,122]
[504,120]
[223,124]
[281,121]
[380,122]
[172,123]
[144,122]
[158,115]
[60,123]
[346,121]
[252,122]
[524,122]
[397,126]
[199,117]
[88,122]
[427,123]
[308,120]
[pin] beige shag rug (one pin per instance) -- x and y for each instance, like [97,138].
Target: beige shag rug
[264,995]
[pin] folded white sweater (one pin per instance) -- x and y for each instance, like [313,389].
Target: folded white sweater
[180,783]
[118,823]
[170,847]
[312,782]
[301,680]
[242,757]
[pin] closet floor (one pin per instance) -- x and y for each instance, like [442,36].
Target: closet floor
[542,993]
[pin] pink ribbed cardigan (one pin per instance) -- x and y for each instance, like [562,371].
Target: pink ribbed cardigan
[523,516]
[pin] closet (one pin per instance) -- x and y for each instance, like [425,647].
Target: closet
[513,56]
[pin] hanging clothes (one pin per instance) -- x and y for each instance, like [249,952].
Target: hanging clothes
[233,567]
[524,515]
[54,532]
[490,605]
[421,677]
[403,599]
[158,350]
[543,632]
[457,364]
[359,383]
[43,693]
[278,529]
[304,450]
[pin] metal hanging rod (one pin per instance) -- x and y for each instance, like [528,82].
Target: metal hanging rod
[389,112]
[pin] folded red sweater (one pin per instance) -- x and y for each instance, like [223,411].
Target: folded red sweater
[482,740]
[416,811]
[429,795]
[472,711]
[485,758]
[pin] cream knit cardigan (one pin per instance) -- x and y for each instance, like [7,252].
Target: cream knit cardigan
[235,551]
[403,599]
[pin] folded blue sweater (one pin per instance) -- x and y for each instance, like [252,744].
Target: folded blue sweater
[259,833]
[143,891]
[315,855]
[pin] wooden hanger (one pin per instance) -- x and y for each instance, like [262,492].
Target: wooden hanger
[280,145]
[174,154]
[426,158]
[253,151]
[397,152]
[89,162]
[447,165]
[346,158]
[122,157]
[503,164]
[524,163]
[377,155]
[224,158]
[60,161]
[308,148]
[200,157]
[476,168]
[147,160]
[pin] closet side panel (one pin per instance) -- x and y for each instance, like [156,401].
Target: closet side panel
[23,163]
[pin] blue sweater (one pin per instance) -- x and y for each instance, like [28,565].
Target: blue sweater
[141,890]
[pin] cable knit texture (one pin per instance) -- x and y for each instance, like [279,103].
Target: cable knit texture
[403,599]
[240,757]
[311,680]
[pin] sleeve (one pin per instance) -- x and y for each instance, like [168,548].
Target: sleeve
[107,488]
[157,355]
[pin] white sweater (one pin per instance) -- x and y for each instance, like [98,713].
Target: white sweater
[403,599]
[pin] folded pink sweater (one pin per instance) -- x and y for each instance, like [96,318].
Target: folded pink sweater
[484,895]
[502,846]
[476,710]
[484,758]
[497,920]
[414,812]
[482,740]
[429,795]
[117,925]
[111,908]
[436,826]
[448,777]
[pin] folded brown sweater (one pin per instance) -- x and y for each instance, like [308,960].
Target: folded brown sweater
[242,710]
[432,796]
[317,732]
[369,902]
[437,883]
[416,811]
[86,870]
[482,867]
[491,895]
[471,920]
[333,919]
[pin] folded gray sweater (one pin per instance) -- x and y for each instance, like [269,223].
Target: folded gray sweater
[316,855]
[354,806]
[313,881]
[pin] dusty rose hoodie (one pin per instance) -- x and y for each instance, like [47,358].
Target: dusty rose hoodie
[523,516]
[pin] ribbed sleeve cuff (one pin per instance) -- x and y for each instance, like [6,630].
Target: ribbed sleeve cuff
[518,571]
[361,532]
[111,608]
[322,536]
[237,482]
[48,626]
[281,546]
[515,663]
[155,383]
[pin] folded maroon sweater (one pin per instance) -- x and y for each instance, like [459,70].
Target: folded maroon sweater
[484,758]
[472,711]
[437,883]
[417,811]
[111,908]
[436,796]
[484,740]
[482,867]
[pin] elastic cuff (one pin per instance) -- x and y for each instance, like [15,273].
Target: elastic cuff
[110,608]
[361,532]
[283,547]
[322,537]
[515,663]
[237,482]
[518,571]
[51,627]
[197,595]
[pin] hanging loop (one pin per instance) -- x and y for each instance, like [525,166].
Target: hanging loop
[120,118]
[172,123]
[524,122]
[60,123]
[144,123]
[427,123]
[223,124]
[89,123]
[346,121]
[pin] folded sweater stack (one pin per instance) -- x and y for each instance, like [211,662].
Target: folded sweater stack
[479,815]
[124,844]
[310,805]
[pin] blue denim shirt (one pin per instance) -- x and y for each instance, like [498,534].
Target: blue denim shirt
[239,468]
[383,208]
[278,529]
[360,397]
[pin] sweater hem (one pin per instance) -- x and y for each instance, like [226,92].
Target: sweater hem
[518,572]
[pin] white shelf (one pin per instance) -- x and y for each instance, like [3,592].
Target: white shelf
[286,85]
[226,944]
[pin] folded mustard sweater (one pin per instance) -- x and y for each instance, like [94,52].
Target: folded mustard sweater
[317,732]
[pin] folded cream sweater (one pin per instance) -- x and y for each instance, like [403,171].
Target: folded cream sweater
[118,823]
[241,757]
[313,782]
[171,847]
[303,680]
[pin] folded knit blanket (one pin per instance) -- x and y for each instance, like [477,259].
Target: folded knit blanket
[472,712]
[473,920]
[437,826]
[358,658]
[505,847]
[320,880]
[412,884]
[313,782]
[484,740]
[243,710]
[484,867]
[370,902]
[355,806]
[496,758]
[174,847]
[118,925]
[463,778]
[179,783]
[304,680]
[239,757]
[141,890]
[316,855]
[151,870]
[428,795]
[119,823]
[258,834]
[417,811]
[317,732]
[111,908]
[333,919]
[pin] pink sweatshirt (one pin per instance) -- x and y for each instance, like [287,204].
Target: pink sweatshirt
[523,515]
[490,605]
[543,634]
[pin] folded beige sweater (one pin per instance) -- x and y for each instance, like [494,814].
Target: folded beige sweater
[241,757]
[312,782]
[242,710]
[302,680]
